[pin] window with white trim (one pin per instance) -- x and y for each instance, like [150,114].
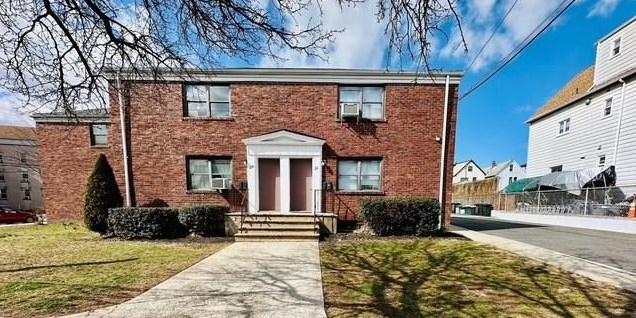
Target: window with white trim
[601,161]
[360,175]
[510,167]
[616,47]
[564,126]
[3,193]
[202,172]
[99,135]
[369,100]
[1,173]
[608,107]
[26,194]
[23,157]
[470,168]
[474,178]
[463,179]
[205,101]
[25,174]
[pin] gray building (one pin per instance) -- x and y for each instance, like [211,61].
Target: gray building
[20,181]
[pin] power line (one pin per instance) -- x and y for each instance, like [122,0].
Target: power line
[523,45]
[499,24]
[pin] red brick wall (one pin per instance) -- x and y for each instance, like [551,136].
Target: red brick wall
[161,139]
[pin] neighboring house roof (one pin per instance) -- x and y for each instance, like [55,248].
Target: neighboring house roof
[573,90]
[493,171]
[17,133]
[82,115]
[458,166]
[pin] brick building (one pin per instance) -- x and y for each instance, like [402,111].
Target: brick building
[284,140]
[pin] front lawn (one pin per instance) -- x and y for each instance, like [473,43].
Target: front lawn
[455,278]
[57,269]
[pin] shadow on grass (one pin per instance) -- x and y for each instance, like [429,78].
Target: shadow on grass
[69,265]
[422,278]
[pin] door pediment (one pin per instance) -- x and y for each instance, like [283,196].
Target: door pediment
[284,137]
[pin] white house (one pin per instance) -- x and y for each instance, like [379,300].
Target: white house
[507,171]
[591,122]
[467,171]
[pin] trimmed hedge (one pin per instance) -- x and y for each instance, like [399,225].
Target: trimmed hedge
[208,220]
[402,216]
[145,223]
[161,222]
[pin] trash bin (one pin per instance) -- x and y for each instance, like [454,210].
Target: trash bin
[484,209]
[468,210]
[455,207]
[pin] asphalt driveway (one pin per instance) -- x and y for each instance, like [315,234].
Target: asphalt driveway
[609,248]
[246,279]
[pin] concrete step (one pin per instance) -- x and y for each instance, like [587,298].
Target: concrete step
[282,232]
[268,237]
[279,226]
[278,218]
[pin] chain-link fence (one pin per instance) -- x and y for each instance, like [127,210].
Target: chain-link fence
[607,201]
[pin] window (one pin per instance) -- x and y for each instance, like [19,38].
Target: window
[556,168]
[463,179]
[470,168]
[25,174]
[26,194]
[3,193]
[1,159]
[514,179]
[509,180]
[99,135]
[360,175]
[208,101]
[203,170]
[23,157]
[510,167]
[474,178]
[370,99]
[564,126]
[608,107]
[601,161]
[616,47]
[1,173]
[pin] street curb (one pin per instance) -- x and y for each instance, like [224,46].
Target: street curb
[592,270]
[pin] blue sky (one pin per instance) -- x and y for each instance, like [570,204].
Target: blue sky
[491,122]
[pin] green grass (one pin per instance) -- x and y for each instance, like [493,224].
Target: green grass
[454,278]
[58,269]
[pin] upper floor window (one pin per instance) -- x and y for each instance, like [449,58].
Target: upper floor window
[1,158]
[23,157]
[208,101]
[99,135]
[360,175]
[470,168]
[463,179]
[366,102]
[474,178]
[25,174]
[601,161]
[3,193]
[608,107]
[510,167]
[1,174]
[26,194]
[616,47]
[564,126]
[556,168]
[209,173]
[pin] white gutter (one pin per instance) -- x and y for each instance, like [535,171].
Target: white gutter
[124,138]
[620,121]
[442,165]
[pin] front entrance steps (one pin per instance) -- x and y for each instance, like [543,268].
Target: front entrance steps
[278,227]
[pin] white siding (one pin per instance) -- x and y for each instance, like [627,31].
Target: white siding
[475,175]
[505,174]
[608,66]
[591,134]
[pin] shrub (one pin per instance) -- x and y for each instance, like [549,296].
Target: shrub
[204,220]
[408,216]
[102,193]
[145,223]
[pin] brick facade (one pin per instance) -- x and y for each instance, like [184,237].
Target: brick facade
[161,138]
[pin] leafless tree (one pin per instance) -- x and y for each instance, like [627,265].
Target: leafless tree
[56,52]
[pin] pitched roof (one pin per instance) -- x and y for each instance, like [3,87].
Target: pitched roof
[493,171]
[17,133]
[458,166]
[573,90]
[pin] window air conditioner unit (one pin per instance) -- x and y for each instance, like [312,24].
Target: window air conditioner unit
[348,110]
[221,183]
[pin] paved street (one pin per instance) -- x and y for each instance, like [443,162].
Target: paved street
[614,249]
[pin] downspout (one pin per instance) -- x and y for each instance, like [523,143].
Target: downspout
[124,138]
[442,168]
[620,121]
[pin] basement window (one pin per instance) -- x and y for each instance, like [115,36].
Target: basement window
[99,135]
[208,101]
[360,175]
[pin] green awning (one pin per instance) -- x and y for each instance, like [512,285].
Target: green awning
[527,184]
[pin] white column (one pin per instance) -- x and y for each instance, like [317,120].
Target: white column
[284,184]
[316,181]
[252,183]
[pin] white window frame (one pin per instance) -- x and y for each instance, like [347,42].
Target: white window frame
[614,47]
[208,101]
[359,175]
[360,100]
[463,179]
[602,159]
[211,177]
[24,172]
[609,102]
[23,157]
[470,168]
[26,194]
[4,195]
[94,142]
[564,126]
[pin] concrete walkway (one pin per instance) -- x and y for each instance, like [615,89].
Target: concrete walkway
[246,279]
[599,223]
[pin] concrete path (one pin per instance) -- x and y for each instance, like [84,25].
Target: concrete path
[246,279]
[475,228]
[607,223]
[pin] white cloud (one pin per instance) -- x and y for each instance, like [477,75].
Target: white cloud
[11,112]
[603,8]
[479,19]
[362,44]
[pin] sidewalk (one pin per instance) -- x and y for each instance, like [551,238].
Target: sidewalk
[612,224]
[250,279]
[595,271]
